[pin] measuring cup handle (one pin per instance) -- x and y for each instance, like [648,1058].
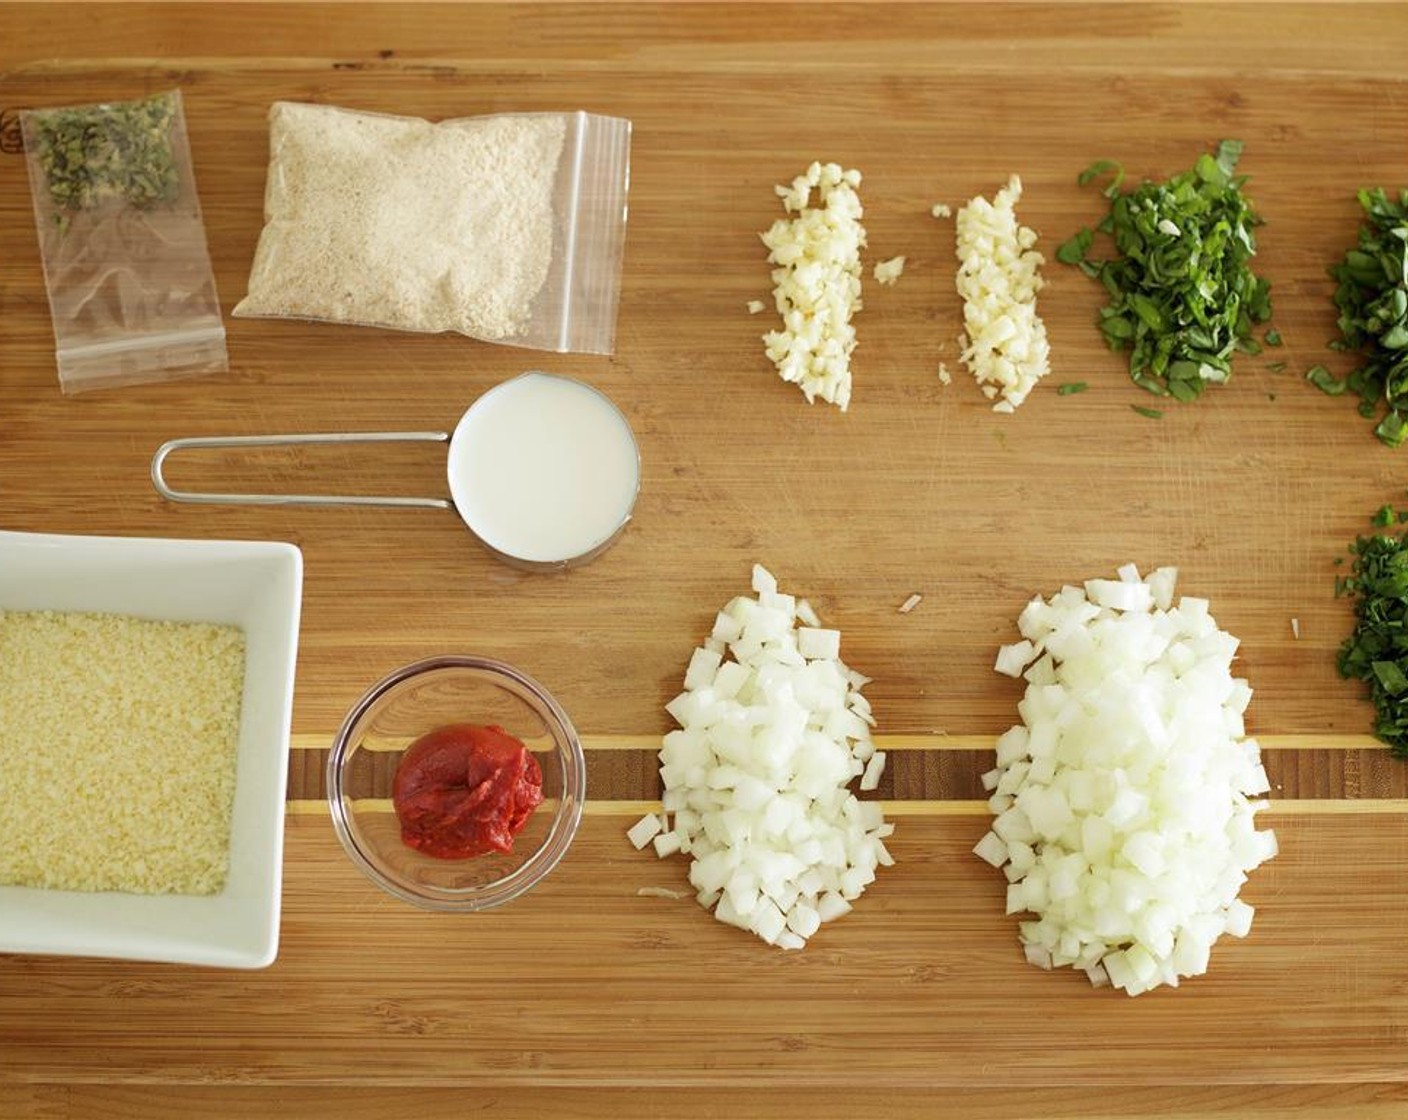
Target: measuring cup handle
[172,495]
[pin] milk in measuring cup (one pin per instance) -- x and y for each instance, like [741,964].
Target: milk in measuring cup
[544,468]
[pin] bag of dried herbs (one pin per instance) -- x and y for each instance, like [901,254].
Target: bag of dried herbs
[125,258]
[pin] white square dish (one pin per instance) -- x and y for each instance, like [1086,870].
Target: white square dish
[255,585]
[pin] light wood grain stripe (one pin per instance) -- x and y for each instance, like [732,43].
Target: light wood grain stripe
[858,59]
[931,742]
[1295,808]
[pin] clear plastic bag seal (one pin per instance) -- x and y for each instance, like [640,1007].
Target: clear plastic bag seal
[507,228]
[126,265]
[583,290]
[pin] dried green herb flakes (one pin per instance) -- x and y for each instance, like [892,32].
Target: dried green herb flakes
[115,151]
[1183,297]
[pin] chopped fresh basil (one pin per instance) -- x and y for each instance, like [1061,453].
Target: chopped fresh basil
[1325,381]
[1183,297]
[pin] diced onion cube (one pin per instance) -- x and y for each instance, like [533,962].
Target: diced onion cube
[640,833]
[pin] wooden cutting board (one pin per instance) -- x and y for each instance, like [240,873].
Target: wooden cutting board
[920,998]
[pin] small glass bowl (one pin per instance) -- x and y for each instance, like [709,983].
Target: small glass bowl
[420,698]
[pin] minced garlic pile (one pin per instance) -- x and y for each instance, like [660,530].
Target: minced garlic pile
[817,278]
[1005,345]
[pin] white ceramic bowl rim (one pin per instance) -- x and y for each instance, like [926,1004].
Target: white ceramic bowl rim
[254,584]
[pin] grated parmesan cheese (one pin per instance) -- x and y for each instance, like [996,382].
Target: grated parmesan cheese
[887,272]
[755,306]
[817,282]
[998,278]
[118,751]
[941,210]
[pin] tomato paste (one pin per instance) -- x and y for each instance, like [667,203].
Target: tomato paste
[464,790]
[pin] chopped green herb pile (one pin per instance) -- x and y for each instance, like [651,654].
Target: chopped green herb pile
[1373,301]
[1183,296]
[1377,651]
[119,150]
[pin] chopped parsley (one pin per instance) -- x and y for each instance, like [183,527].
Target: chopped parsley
[1377,650]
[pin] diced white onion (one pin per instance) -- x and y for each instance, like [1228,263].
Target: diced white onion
[806,615]
[758,773]
[1012,659]
[640,833]
[992,849]
[1123,807]
[816,644]
[870,780]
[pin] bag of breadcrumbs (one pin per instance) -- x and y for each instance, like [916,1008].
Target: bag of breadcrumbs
[506,228]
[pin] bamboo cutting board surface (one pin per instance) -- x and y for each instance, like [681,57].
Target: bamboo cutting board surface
[919,999]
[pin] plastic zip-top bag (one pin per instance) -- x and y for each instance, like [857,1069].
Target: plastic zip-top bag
[506,228]
[120,233]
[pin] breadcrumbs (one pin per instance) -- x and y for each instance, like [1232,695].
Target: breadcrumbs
[396,222]
[117,752]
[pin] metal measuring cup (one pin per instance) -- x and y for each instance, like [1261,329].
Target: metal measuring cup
[564,449]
